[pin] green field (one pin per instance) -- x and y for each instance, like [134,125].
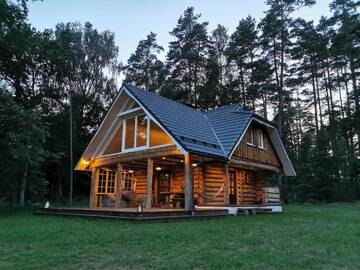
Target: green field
[304,237]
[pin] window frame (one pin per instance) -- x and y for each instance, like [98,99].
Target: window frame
[252,143]
[128,179]
[148,134]
[261,141]
[135,148]
[105,182]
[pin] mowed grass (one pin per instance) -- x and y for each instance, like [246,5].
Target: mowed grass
[304,237]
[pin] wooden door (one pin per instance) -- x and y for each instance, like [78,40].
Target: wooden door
[232,187]
[164,188]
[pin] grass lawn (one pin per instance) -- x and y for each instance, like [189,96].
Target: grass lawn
[304,237]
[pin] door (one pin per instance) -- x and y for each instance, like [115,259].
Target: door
[232,187]
[164,188]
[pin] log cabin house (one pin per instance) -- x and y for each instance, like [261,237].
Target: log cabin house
[157,153]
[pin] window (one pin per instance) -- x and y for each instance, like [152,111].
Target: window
[130,131]
[251,140]
[102,181]
[141,131]
[106,182]
[128,179]
[261,139]
[116,143]
[158,136]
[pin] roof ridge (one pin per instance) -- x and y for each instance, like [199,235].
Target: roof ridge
[224,107]
[213,131]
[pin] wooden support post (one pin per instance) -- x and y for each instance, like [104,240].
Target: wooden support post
[92,198]
[189,185]
[119,175]
[226,184]
[156,189]
[149,180]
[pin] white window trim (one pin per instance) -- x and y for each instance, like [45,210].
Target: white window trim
[252,143]
[261,142]
[152,118]
[129,111]
[136,148]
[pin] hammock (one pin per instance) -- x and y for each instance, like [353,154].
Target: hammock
[213,196]
[129,195]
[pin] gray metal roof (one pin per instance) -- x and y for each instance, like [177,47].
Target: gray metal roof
[188,126]
[212,133]
[229,123]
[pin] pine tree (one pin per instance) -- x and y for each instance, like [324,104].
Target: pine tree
[241,53]
[214,93]
[144,69]
[186,59]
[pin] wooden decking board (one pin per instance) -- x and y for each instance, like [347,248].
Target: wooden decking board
[131,215]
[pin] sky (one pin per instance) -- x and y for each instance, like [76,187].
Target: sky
[133,20]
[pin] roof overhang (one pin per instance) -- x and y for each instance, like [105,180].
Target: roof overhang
[90,152]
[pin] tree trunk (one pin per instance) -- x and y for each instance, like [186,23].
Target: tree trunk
[23,185]
[356,95]
[265,105]
[315,105]
[318,97]
[243,86]
[340,93]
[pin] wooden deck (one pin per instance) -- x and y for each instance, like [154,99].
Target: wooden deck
[131,214]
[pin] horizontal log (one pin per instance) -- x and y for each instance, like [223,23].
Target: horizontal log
[212,176]
[272,201]
[212,184]
[137,155]
[213,189]
[248,195]
[247,190]
[250,164]
[277,196]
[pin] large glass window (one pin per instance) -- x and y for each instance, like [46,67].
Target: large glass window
[141,131]
[116,143]
[158,136]
[129,134]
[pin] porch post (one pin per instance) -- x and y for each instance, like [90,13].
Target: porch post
[149,178]
[226,184]
[189,185]
[119,174]
[93,187]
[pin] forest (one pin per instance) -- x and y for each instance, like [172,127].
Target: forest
[56,86]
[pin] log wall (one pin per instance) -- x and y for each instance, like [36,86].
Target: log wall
[253,152]
[246,187]
[140,177]
[213,181]
[208,180]
[177,179]
[261,178]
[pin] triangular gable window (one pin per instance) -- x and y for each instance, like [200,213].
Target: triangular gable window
[136,133]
